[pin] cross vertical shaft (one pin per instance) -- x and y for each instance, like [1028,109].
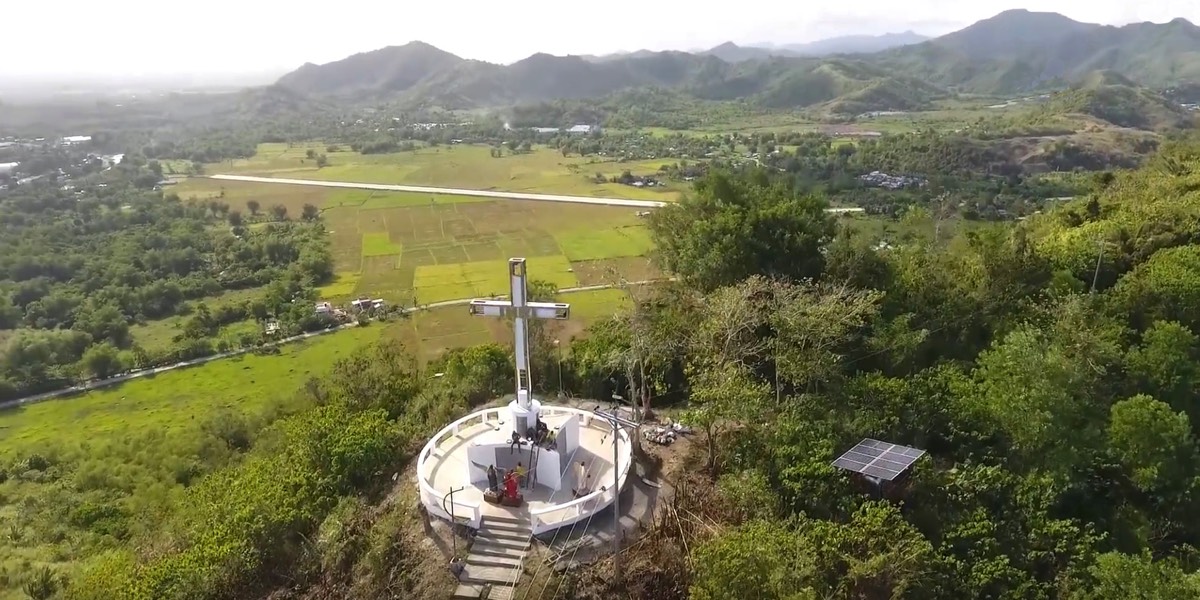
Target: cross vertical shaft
[516,271]
[521,309]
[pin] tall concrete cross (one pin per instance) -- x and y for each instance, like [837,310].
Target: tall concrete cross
[520,309]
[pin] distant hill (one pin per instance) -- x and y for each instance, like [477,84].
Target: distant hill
[1014,52]
[848,44]
[855,44]
[1012,33]
[422,74]
[395,68]
[732,53]
[1115,99]
[1018,51]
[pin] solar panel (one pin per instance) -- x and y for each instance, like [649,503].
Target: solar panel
[877,459]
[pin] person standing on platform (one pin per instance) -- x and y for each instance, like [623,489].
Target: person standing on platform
[580,469]
[521,472]
[510,486]
[493,479]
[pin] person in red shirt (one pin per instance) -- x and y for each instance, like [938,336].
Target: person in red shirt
[510,486]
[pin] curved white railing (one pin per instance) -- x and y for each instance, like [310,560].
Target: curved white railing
[542,519]
[554,516]
[432,498]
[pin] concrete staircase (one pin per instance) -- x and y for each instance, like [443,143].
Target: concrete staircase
[495,561]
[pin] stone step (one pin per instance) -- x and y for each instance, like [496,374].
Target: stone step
[488,552]
[501,593]
[491,542]
[505,519]
[523,528]
[492,575]
[495,560]
[474,591]
[501,534]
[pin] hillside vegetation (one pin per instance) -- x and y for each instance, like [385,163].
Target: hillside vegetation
[1114,99]
[1032,379]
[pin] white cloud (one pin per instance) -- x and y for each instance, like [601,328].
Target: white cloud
[232,36]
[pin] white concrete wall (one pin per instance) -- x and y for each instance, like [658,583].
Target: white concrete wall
[549,469]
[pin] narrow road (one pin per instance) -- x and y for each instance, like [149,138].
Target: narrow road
[465,192]
[102,383]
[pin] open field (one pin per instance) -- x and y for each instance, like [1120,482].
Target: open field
[458,250]
[542,170]
[130,449]
[413,248]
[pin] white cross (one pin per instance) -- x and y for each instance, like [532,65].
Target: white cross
[520,309]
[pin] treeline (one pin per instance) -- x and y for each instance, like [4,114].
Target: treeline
[1049,369]
[985,183]
[78,268]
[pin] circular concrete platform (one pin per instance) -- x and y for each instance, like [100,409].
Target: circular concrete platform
[454,461]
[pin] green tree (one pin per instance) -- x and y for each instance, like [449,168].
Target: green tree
[235,218]
[1164,366]
[721,395]
[1046,389]
[310,213]
[253,206]
[1116,575]
[102,360]
[731,228]
[280,212]
[1153,443]
[761,560]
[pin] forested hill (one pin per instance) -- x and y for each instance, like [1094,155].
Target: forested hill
[1048,368]
[1013,52]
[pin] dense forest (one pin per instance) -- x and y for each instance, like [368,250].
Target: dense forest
[1049,370]
[79,264]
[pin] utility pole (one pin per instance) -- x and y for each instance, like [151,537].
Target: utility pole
[617,422]
[1099,257]
[558,351]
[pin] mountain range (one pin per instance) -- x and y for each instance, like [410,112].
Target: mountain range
[1014,52]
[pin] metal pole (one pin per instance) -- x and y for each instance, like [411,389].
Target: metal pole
[617,421]
[558,350]
[616,507]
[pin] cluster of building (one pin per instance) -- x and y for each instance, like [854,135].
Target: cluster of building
[358,306]
[1191,106]
[891,182]
[573,130]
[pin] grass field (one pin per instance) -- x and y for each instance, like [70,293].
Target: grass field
[159,334]
[382,241]
[413,249]
[542,170]
[132,447]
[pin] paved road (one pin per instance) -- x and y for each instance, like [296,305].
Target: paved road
[464,192]
[95,385]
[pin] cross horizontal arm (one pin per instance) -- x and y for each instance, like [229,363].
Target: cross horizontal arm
[532,310]
[491,308]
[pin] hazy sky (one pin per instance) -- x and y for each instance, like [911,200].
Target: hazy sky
[152,37]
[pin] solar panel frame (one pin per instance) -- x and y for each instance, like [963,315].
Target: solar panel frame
[880,460]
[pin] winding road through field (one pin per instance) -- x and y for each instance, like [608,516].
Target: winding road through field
[465,192]
[101,383]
